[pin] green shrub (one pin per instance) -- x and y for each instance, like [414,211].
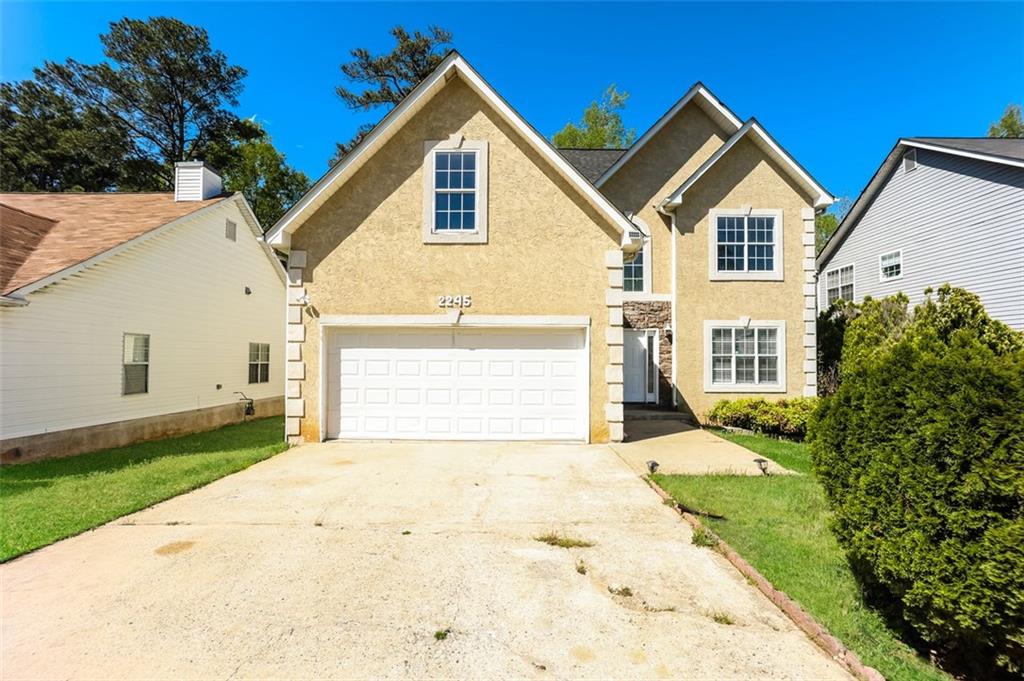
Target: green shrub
[921,455]
[785,418]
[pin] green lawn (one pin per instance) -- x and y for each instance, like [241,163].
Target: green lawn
[46,501]
[779,525]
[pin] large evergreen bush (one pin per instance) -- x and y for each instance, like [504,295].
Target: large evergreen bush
[921,454]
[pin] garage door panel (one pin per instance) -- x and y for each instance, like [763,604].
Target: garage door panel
[443,384]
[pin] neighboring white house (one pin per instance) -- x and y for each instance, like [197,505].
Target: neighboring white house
[129,316]
[939,210]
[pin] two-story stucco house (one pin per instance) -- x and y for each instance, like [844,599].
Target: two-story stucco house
[131,316]
[938,210]
[456,277]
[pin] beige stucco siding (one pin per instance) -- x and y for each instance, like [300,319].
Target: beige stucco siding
[655,171]
[545,254]
[743,177]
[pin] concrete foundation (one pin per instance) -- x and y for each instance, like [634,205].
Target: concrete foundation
[103,436]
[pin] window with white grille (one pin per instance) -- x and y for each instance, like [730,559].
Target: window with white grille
[745,245]
[259,362]
[890,265]
[135,364]
[839,284]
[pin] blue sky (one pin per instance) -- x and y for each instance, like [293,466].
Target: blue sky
[836,84]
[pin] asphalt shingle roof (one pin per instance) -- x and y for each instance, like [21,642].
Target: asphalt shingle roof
[46,233]
[993,146]
[592,162]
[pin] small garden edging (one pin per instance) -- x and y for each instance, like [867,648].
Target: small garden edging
[804,621]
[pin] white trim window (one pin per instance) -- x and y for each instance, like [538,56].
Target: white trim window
[745,357]
[839,284]
[890,266]
[636,275]
[455,192]
[135,364]
[745,244]
[259,363]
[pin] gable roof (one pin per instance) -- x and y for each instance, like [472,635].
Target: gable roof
[996,150]
[453,65]
[711,105]
[756,132]
[592,163]
[49,236]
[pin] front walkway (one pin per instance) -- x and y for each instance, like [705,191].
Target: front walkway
[343,560]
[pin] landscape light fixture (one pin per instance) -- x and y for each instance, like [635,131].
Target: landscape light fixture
[652,466]
[763,465]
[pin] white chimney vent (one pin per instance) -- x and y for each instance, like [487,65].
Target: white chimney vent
[193,181]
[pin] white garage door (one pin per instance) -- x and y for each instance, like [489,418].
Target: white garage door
[465,384]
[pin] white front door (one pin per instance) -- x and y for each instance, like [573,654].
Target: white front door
[639,377]
[457,384]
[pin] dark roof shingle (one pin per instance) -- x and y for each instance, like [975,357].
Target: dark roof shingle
[991,146]
[592,162]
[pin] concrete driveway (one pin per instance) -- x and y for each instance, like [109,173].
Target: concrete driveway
[342,560]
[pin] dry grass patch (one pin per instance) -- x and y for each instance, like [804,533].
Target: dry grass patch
[555,539]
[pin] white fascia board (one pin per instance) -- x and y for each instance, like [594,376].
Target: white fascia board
[327,184]
[447,320]
[257,233]
[12,301]
[110,252]
[330,182]
[961,152]
[697,90]
[822,198]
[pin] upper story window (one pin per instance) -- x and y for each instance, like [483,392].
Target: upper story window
[839,284]
[890,266]
[455,191]
[633,271]
[745,244]
[230,230]
[135,364]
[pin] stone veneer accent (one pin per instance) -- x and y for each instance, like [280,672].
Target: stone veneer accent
[614,337]
[295,408]
[810,314]
[655,314]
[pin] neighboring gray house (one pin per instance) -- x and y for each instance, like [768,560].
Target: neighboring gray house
[939,209]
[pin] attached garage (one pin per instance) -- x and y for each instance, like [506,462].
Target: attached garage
[454,383]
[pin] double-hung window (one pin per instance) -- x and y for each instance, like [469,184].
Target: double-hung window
[890,266]
[745,358]
[839,284]
[633,271]
[259,362]
[745,245]
[135,364]
[455,192]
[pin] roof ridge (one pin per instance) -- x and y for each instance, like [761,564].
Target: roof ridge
[28,212]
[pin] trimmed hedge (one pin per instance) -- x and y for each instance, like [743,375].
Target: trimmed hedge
[785,418]
[921,455]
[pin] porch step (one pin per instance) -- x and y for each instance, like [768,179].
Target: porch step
[637,414]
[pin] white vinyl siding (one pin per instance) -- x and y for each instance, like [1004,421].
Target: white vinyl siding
[953,219]
[61,356]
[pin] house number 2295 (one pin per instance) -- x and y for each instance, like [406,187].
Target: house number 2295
[455,301]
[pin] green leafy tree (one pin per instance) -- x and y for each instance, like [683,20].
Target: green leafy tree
[268,183]
[601,126]
[50,144]
[385,80]
[167,87]
[1010,125]
[825,225]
